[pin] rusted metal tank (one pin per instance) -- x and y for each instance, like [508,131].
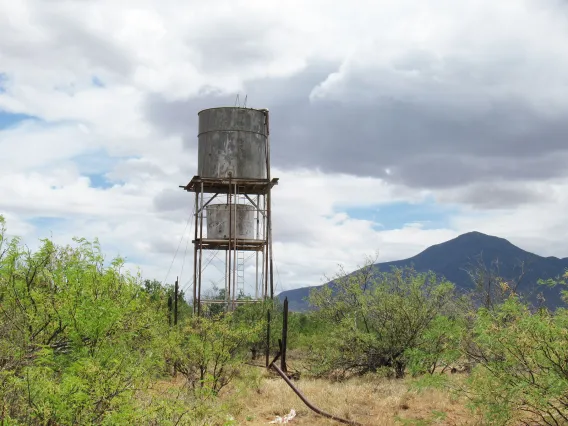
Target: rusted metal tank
[232,143]
[218,221]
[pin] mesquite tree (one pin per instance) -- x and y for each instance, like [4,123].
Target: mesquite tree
[378,318]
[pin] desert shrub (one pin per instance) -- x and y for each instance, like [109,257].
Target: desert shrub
[378,318]
[210,352]
[253,316]
[522,367]
[306,331]
[439,348]
[78,336]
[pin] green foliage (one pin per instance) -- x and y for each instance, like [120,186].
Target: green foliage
[440,346]
[379,319]
[559,281]
[211,350]
[254,315]
[307,330]
[162,298]
[522,366]
[82,341]
[78,336]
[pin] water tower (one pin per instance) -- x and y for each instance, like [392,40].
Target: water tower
[232,200]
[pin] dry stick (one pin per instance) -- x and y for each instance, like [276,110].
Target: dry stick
[267,348]
[235,266]
[308,403]
[200,251]
[229,204]
[176,291]
[195,299]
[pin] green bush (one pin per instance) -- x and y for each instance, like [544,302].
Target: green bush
[78,336]
[440,346]
[210,351]
[522,364]
[378,319]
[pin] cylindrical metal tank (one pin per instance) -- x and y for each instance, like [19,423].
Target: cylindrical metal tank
[232,143]
[218,221]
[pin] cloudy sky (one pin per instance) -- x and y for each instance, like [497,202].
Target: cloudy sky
[395,124]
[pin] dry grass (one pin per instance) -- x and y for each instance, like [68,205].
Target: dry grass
[257,397]
[370,402]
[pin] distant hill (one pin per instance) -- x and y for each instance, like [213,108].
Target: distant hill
[449,259]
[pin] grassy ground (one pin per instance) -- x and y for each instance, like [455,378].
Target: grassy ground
[257,396]
[370,402]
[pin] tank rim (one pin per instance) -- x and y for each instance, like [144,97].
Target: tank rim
[248,206]
[262,110]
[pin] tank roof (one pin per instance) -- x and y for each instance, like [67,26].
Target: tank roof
[234,107]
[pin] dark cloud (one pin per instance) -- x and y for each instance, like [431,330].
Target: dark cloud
[180,117]
[420,141]
[64,33]
[247,44]
[454,169]
[498,196]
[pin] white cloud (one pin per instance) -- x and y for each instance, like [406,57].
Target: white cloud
[447,52]
[541,226]
[32,145]
[177,49]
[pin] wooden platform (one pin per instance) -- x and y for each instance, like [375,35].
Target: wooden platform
[239,244]
[227,186]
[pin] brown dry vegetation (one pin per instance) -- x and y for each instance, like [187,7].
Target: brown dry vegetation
[368,401]
[256,400]
[257,397]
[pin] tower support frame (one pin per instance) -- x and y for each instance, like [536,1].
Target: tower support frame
[255,193]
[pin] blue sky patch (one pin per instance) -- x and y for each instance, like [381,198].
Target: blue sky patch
[46,222]
[397,215]
[97,82]
[96,162]
[9,119]
[98,180]
[95,165]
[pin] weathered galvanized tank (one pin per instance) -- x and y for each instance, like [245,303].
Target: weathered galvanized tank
[232,143]
[218,221]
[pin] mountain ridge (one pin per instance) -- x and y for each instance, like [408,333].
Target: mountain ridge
[451,259]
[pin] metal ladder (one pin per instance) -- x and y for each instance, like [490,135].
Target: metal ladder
[240,272]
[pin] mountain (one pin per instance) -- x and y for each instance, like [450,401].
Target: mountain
[451,258]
